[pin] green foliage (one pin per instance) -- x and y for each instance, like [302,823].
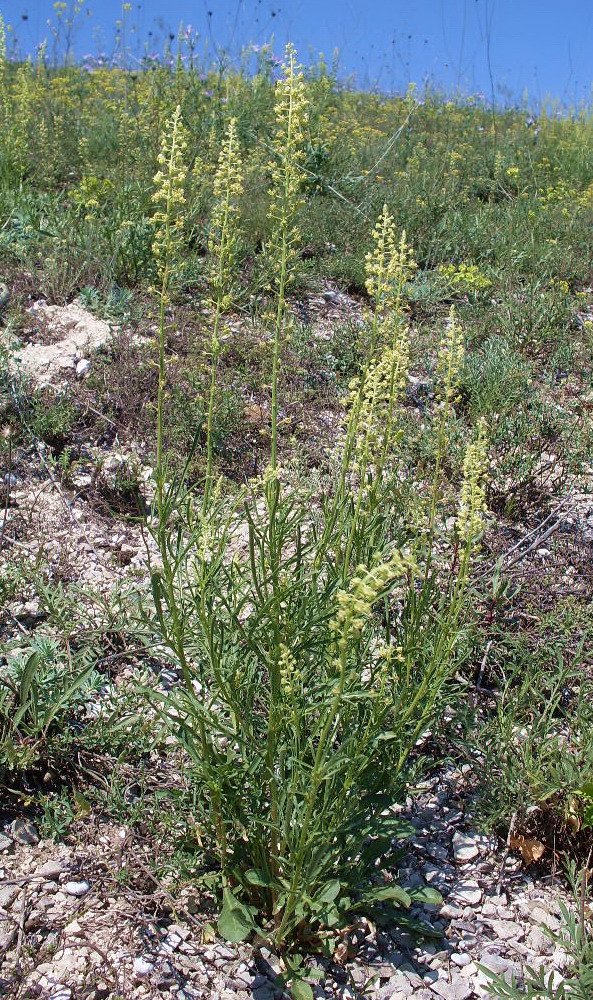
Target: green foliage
[268,693]
[496,379]
[40,693]
[535,738]
[315,633]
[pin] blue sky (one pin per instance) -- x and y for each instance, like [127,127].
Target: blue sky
[507,46]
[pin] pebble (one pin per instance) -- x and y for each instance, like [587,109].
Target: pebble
[541,916]
[460,959]
[142,968]
[466,893]
[8,894]
[437,851]
[507,929]
[456,989]
[83,366]
[539,943]
[24,832]
[52,870]
[499,964]
[76,888]
[466,847]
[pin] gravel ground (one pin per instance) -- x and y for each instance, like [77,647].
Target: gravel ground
[70,927]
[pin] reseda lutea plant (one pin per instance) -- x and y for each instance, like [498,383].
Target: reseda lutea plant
[312,638]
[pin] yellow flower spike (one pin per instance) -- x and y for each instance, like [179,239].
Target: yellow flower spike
[287,667]
[223,239]
[472,501]
[223,244]
[286,171]
[450,361]
[167,247]
[390,265]
[354,605]
[169,197]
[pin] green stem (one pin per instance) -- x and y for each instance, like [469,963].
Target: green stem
[210,413]
[161,397]
[316,778]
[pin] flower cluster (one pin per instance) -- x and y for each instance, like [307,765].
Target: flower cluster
[286,166]
[389,266]
[287,669]
[449,361]
[472,501]
[366,587]
[377,399]
[223,239]
[464,278]
[374,398]
[169,197]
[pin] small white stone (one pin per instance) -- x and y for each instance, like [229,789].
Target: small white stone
[507,929]
[142,967]
[465,848]
[83,366]
[73,929]
[76,888]
[466,894]
[460,960]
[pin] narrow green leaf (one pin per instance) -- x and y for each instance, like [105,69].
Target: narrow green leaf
[426,895]
[27,676]
[65,695]
[394,892]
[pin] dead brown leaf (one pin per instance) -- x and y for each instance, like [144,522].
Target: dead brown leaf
[531,850]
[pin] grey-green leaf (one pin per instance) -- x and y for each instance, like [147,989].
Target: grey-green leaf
[328,892]
[427,895]
[235,922]
[394,892]
[301,990]
[256,877]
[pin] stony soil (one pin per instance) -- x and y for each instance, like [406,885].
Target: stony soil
[71,925]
